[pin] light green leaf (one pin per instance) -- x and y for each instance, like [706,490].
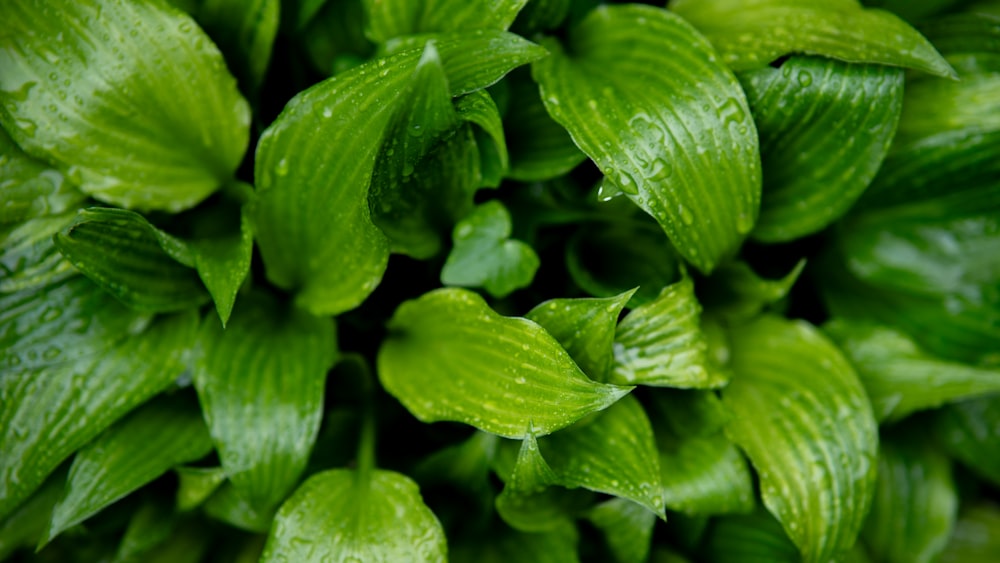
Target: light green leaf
[620,86]
[529,502]
[585,328]
[28,256]
[230,506]
[343,515]
[314,164]
[825,126]
[76,362]
[503,374]
[26,526]
[627,527]
[485,256]
[480,109]
[143,267]
[130,454]
[752,538]
[31,188]
[976,537]
[737,293]
[750,34]
[223,264]
[245,33]
[802,417]
[388,19]
[970,432]
[196,484]
[540,149]
[915,501]
[260,382]
[661,343]
[140,113]
[899,377]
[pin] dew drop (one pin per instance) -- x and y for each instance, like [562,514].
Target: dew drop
[327,113]
[282,168]
[627,184]
[659,170]
[731,112]
[686,216]
[805,79]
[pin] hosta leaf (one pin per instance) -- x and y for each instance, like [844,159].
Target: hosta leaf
[752,34]
[485,256]
[751,538]
[223,264]
[825,127]
[229,505]
[541,15]
[480,109]
[260,382]
[540,149]
[26,526]
[450,357]
[28,255]
[344,515]
[79,362]
[500,546]
[737,293]
[306,181]
[529,502]
[245,33]
[143,267]
[130,454]
[333,36]
[899,377]
[976,538]
[585,328]
[915,501]
[661,343]
[970,432]
[392,18]
[627,527]
[196,484]
[802,417]
[82,96]
[151,525]
[31,188]
[690,162]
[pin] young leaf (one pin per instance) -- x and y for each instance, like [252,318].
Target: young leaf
[223,265]
[245,33]
[344,515]
[737,293]
[540,149]
[30,187]
[529,502]
[752,34]
[450,357]
[485,256]
[585,328]
[260,382]
[970,432]
[621,88]
[84,99]
[130,454]
[915,501]
[802,417]
[388,19]
[627,527]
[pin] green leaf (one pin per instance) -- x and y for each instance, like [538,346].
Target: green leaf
[541,15]
[143,267]
[28,256]
[315,162]
[485,256]
[149,527]
[503,374]
[140,114]
[388,19]
[915,501]
[585,328]
[230,506]
[529,502]
[825,127]
[627,527]
[333,36]
[26,526]
[752,538]
[661,343]
[751,34]
[187,544]
[970,432]
[480,109]
[223,264]
[737,293]
[30,187]
[540,149]
[976,537]
[899,377]
[620,86]
[260,382]
[127,456]
[343,515]
[802,417]
[503,545]
[77,362]
[244,32]
[196,484]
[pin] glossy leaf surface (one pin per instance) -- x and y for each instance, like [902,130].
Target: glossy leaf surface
[737,293]
[31,188]
[540,148]
[388,19]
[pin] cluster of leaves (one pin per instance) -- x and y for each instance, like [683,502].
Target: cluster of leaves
[499,280]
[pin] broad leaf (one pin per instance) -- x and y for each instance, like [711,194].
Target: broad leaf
[502,374]
[30,187]
[223,264]
[244,32]
[388,19]
[915,501]
[540,149]
[737,293]
[618,86]
[802,417]
[825,126]
[899,377]
[485,256]
[260,382]
[130,454]
[529,501]
[314,164]
[970,432]
[627,527]
[141,114]
[480,109]
[753,538]
[230,506]
[752,34]
[344,515]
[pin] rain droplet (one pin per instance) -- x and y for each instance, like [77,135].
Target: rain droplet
[327,113]
[731,112]
[805,79]
[627,184]
[282,168]
[686,216]
[659,170]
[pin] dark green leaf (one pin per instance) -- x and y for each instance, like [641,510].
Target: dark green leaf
[802,417]
[131,100]
[976,538]
[223,265]
[540,149]
[343,515]
[260,382]
[25,527]
[229,505]
[621,87]
[753,538]
[30,187]
[502,546]
[627,527]
[529,502]
[334,36]
[752,34]
[196,484]
[503,375]
[388,19]
[479,108]
[150,526]
[244,31]
[970,432]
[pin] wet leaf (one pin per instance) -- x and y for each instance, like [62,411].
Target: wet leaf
[627,527]
[392,18]
[245,33]
[540,149]
[31,188]
[737,293]
[970,432]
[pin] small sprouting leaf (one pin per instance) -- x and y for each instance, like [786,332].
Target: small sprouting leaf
[540,149]
[130,454]
[662,344]
[223,264]
[142,114]
[825,126]
[143,267]
[344,515]
[502,545]
[260,381]
[915,501]
[541,15]
[585,328]
[899,377]
[751,34]
[802,417]
[196,484]
[737,293]
[30,187]
[388,19]
[692,162]
[970,432]
[485,256]
[450,357]
[244,31]
[751,538]
[332,34]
